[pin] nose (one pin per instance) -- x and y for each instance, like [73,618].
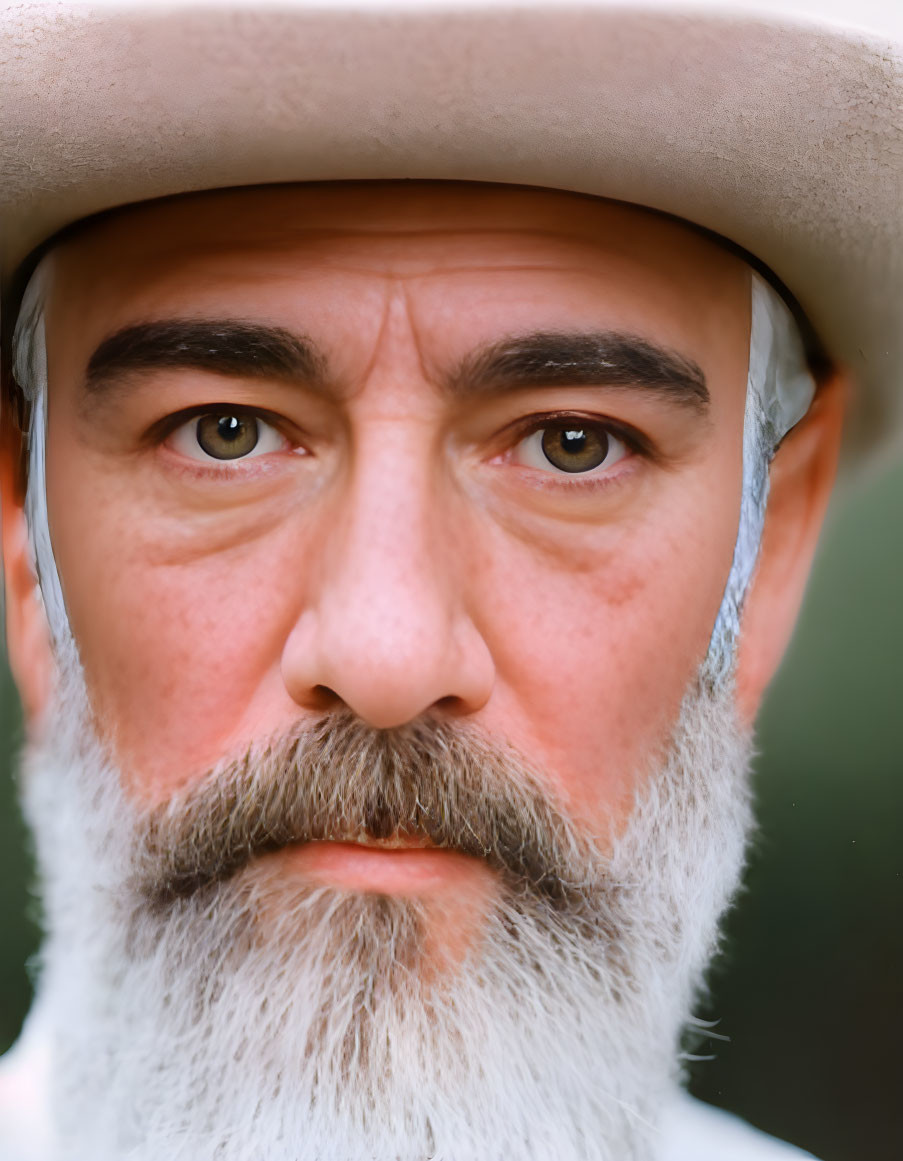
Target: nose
[385,628]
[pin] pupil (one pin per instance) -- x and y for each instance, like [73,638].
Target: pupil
[229,427]
[573,441]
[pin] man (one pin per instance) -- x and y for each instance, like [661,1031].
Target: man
[407,585]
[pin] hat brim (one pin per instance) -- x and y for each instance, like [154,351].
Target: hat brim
[782,135]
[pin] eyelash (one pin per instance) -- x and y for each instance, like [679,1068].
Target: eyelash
[635,441]
[511,437]
[160,431]
[211,470]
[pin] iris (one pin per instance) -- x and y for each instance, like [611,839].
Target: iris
[227,437]
[574,449]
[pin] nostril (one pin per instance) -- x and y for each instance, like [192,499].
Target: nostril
[452,705]
[322,698]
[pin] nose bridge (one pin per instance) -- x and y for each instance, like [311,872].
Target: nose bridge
[388,566]
[386,629]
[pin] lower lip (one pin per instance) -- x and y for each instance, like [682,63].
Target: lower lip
[382,870]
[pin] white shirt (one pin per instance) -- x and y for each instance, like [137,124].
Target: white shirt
[691,1130]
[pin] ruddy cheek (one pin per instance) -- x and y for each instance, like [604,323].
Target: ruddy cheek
[172,670]
[600,680]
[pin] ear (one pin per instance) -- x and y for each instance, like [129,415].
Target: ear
[801,478]
[27,633]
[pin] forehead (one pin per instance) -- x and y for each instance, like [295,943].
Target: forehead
[418,232]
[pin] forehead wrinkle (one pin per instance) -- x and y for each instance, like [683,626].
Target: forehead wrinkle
[385,322]
[278,236]
[411,268]
[277,241]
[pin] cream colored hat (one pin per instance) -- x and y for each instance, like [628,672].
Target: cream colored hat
[778,126]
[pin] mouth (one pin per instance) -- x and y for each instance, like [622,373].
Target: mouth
[399,865]
[386,834]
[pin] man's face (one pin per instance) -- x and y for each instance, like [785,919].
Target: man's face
[394,518]
[414,531]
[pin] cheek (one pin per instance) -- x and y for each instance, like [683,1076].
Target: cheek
[596,651]
[181,659]
[172,666]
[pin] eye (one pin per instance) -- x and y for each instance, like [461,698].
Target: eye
[570,445]
[226,435]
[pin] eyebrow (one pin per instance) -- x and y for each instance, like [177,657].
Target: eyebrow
[541,359]
[233,347]
[594,359]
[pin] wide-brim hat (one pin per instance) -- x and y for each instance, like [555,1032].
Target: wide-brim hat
[777,126]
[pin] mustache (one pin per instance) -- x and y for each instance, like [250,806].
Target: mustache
[341,780]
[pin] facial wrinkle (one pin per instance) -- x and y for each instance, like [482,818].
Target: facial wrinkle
[780,389]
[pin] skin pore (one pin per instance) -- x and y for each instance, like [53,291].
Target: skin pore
[400,543]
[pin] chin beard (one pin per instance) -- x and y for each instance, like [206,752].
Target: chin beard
[203,1008]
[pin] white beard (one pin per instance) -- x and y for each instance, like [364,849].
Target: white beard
[193,1033]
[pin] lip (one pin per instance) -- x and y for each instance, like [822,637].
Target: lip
[398,865]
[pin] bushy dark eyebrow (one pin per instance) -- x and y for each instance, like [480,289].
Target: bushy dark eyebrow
[541,359]
[232,347]
[594,359]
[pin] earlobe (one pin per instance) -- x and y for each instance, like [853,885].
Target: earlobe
[27,633]
[801,478]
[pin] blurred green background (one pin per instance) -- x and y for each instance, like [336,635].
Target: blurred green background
[809,989]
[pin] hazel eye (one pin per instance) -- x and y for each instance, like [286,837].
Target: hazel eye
[574,446]
[225,435]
